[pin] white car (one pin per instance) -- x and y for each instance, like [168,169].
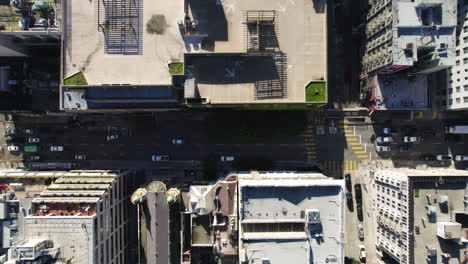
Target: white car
[112,137]
[461,157]
[177,141]
[33,140]
[384,139]
[10,131]
[444,157]
[28,131]
[160,158]
[382,148]
[13,148]
[56,148]
[388,130]
[362,252]
[80,157]
[411,139]
[227,158]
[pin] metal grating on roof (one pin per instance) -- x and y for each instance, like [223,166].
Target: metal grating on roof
[94,186]
[73,193]
[65,200]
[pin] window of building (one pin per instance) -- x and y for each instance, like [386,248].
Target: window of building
[457,53]
[465,60]
[457,89]
[465,87]
[450,91]
[457,63]
[450,102]
[465,29]
[465,39]
[457,100]
[465,99]
[465,50]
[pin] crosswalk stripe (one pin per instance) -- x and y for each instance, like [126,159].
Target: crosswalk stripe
[351,139]
[311,152]
[340,121]
[359,152]
[363,156]
[312,157]
[310,144]
[354,143]
[308,135]
[348,130]
[350,135]
[356,147]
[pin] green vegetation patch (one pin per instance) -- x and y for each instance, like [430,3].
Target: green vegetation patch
[76,79]
[282,107]
[176,68]
[255,126]
[416,192]
[316,92]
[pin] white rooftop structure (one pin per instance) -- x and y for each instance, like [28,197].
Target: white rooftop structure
[291,218]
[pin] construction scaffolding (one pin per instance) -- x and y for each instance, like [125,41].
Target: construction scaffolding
[261,34]
[121,21]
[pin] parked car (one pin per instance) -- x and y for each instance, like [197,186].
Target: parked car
[178,141]
[358,193]
[160,158]
[444,157]
[56,148]
[382,148]
[360,232]
[411,139]
[12,148]
[34,157]
[428,157]
[362,253]
[28,131]
[33,140]
[349,185]
[80,157]
[461,157]
[384,140]
[112,137]
[388,130]
[360,216]
[427,132]
[10,131]
[227,158]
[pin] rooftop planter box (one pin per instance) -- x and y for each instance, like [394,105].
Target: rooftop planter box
[316,91]
[76,79]
[176,68]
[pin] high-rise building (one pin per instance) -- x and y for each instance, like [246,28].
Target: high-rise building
[82,216]
[421,215]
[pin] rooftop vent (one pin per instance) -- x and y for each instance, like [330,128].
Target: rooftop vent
[313,216]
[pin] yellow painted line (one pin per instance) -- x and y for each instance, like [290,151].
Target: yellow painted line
[348,130]
[310,139]
[354,143]
[311,152]
[340,121]
[310,144]
[357,147]
[350,135]
[343,126]
[420,114]
[308,135]
[351,139]
[363,156]
[359,152]
[312,157]
[434,114]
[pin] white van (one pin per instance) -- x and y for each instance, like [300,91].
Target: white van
[461,157]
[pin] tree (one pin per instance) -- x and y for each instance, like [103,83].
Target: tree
[156,25]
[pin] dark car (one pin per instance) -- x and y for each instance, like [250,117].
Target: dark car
[428,157]
[348,182]
[359,212]
[358,193]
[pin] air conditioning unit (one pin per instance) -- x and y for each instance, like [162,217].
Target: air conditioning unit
[313,216]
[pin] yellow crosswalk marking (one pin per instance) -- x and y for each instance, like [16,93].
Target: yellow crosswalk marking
[420,115]
[434,114]
[312,157]
[363,156]
[357,147]
[348,130]
[310,144]
[340,121]
[312,152]
[350,135]
[359,152]
[354,143]
[352,139]
[305,135]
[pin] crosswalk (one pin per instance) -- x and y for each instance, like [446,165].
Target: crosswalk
[310,144]
[354,141]
[337,166]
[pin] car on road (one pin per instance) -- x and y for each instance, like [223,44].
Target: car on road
[444,157]
[28,131]
[360,216]
[382,148]
[358,193]
[227,158]
[428,157]
[384,139]
[411,139]
[427,132]
[388,130]
[34,157]
[360,232]
[33,140]
[12,148]
[349,185]
[461,157]
[160,158]
[56,148]
[10,131]
[112,137]
[80,156]
[362,253]
[178,141]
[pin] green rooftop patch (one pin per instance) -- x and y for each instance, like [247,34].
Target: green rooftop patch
[176,68]
[76,79]
[316,92]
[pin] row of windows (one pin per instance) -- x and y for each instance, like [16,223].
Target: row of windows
[466,78]
[458,100]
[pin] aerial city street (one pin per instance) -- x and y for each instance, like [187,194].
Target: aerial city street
[234,132]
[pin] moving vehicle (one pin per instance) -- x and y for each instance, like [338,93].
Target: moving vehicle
[358,193]
[382,148]
[10,131]
[178,141]
[360,216]
[31,148]
[227,158]
[444,157]
[160,158]
[34,157]
[411,139]
[461,157]
[362,253]
[56,148]
[360,232]
[456,129]
[80,157]
[348,182]
[388,130]
[12,148]
[28,131]
[33,140]
[112,137]
[384,140]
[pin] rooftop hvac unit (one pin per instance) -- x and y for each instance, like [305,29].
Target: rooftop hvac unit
[266,261]
[313,216]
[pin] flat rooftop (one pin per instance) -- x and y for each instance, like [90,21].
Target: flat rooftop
[85,49]
[394,92]
[279,201]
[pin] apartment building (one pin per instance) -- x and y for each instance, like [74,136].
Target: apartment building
[455,97]
[91,207]
[420,215]
[400,34]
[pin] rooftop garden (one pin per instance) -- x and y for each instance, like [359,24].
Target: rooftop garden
[176,68]
[75,79]
[316,92]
